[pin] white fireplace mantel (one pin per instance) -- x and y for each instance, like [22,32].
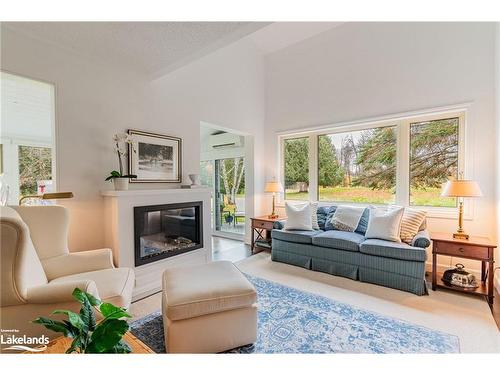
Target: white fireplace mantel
[119,229]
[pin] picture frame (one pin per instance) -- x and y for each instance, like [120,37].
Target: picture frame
[154,157]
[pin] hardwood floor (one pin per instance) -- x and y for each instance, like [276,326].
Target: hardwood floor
[226,249]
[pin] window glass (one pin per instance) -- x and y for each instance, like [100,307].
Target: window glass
[358,166]
[296,168]
[35,170]
[433,159]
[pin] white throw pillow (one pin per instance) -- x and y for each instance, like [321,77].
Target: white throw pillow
[385,224]
[298,216]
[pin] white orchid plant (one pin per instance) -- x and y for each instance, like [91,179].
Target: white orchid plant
[122,143]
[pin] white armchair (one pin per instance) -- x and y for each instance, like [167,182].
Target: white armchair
[38,273]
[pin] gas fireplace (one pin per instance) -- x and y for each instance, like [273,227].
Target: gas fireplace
[162,231]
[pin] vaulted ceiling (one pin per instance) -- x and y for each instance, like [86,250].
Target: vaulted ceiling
[157,48]
[151,48]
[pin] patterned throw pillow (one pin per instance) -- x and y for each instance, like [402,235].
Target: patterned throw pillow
[411,223]
[346,218]
[314,215]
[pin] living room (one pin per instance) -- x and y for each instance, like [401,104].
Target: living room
[233,186]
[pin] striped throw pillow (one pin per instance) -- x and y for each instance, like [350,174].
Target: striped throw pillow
[410,224]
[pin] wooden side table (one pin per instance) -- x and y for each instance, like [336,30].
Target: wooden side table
[261,232]
[475,248]
[60,344]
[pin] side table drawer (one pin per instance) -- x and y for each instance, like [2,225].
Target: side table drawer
[262,224]
[469,251]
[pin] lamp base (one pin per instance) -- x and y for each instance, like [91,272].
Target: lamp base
[461,236]
[272,216]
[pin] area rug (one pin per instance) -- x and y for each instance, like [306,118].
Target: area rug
[293,321]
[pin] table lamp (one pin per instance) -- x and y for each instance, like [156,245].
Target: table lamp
[461,189]
[60,195]
[273,187]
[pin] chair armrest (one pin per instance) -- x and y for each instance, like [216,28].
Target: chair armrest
[279,224]
[83,261]
[59,292]
[422,239]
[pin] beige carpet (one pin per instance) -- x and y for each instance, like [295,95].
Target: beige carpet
[467,317]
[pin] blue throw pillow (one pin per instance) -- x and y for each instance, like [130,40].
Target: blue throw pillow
[322,213]
[363,222]
[328,223]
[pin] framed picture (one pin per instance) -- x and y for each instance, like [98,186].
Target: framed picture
[154,157]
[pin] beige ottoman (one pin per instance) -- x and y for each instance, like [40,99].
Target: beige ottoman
[208,308]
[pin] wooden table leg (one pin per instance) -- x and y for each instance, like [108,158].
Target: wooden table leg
[483,270]
[252,243]
[434,270]
[490,282]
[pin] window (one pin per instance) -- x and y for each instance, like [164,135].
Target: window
[358,166]
[433,159]
[35,170]
[27,141]
[403,161]
[296,168]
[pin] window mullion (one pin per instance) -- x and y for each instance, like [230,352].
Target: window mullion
[313,168]
[403,164]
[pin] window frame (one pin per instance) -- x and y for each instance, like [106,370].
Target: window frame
[402,125]
[11,143]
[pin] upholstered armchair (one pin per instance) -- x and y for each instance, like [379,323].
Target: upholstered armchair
[38,273]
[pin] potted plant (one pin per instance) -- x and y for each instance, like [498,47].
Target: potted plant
[121,145]
[89,336]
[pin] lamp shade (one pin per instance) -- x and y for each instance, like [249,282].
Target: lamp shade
[461,188]
[273,187]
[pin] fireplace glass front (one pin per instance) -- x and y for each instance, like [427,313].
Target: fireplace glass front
[162,231]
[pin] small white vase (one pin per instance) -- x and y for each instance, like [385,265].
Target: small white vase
[121,183]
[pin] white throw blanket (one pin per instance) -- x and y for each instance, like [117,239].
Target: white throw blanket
[346,218]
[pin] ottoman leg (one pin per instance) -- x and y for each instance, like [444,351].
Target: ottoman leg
[212,333]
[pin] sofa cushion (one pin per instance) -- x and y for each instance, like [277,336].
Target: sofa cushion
[396,250]
[114,285]
[298,236]
[339,240]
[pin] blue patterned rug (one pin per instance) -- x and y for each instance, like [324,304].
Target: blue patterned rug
[293,321]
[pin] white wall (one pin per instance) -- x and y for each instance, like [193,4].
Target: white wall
[363,70]
[95,101]
[497,158]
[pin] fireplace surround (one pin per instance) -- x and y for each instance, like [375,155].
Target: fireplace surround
[165,230]
[119,207]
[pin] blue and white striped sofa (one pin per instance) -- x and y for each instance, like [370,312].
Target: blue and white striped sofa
[350,254]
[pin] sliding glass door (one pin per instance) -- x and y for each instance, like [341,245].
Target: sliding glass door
[227,178]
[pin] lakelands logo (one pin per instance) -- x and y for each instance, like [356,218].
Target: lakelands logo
[20,342]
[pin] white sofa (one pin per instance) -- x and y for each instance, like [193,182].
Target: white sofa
[39,274]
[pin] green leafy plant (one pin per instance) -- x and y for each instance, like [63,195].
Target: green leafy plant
[116,174]
[88,335]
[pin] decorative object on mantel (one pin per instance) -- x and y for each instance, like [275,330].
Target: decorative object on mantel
[47,196]
[89,336]
[123,146]
[195,182]
[159,157]
[461,189]
[273,187]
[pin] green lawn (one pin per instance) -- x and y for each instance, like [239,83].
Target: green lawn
[420,197]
